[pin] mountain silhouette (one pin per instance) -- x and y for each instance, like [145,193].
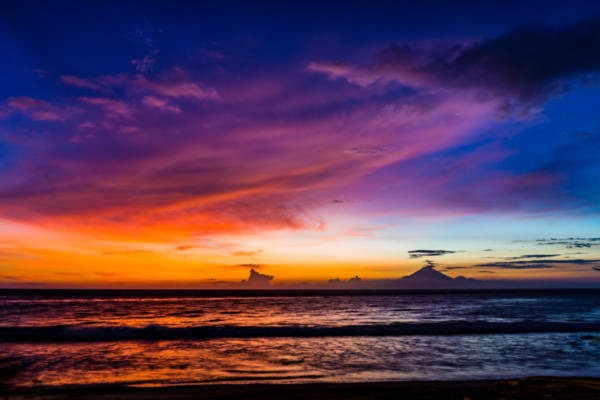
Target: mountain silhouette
[430,278]
[427,273]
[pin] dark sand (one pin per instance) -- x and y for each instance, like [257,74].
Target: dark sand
[526,389]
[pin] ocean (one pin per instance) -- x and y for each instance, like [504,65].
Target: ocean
[154,338]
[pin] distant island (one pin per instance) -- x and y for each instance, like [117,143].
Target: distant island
[430,278]
[426,278]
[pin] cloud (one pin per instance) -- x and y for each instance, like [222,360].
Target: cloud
[87,125]
[178,86]
[125,252]
[533,256]
[12,254]
[353,282]
[185,247]
[524,65]
[537,264]
[365,151]
[246,253]
[231,161]
[161,104]
[206,243]
[146,63]
[230,166]
[517,265]
[570,242]
[337,70]
[114,107]
[175,84]
[36,109]
[256,280]
[81,83]
[67,273]
[428,253]
[129,129]
[250,265]
[107,274]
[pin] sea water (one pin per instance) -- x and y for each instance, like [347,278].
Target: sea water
[196,337]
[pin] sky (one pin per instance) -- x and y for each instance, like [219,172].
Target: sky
[161,144]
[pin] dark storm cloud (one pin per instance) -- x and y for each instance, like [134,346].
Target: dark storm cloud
[525,64]
[428,253]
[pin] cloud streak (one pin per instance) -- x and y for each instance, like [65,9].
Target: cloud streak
[570,242]
[428,253]
[537,264]
[228,168]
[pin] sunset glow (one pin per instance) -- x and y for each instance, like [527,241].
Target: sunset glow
[180,148]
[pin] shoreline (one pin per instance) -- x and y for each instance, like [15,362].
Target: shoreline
[531,388]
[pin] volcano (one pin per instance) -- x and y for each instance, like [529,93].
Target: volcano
[430,278]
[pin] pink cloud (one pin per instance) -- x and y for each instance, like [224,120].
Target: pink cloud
[87,125]
[36,109]
[175,84]
[161,104]
[130,129]
[268,161]
[363,76]
[81,83]
[146,63]
[175,88]
[459,185]
[343,71]
[114,107]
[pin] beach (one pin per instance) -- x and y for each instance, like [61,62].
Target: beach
[526,388]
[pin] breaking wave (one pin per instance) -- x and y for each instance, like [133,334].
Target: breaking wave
[81,333]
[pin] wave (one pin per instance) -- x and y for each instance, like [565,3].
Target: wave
[80,333]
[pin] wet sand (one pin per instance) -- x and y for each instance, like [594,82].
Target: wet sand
[526,389]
